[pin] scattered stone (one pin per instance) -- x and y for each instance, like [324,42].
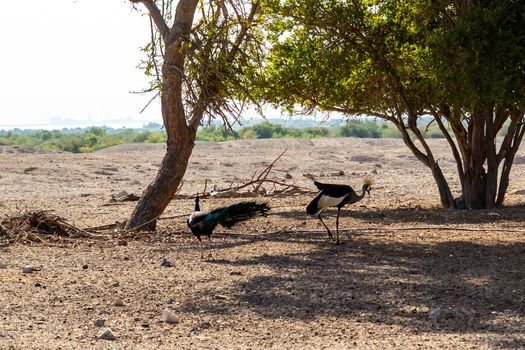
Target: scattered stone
[235,273]
[124,196]
[30,169]
[3,266]
[374,171]
[84,267]
[28,269]
[122,242]
[168,316]
[106,334]
[308,176]
[378,165]
[166,263]
[338,173]
[436,314]
[119,302]
[38,284]
[100,322]
[85,194]
[144,324]
[288,176]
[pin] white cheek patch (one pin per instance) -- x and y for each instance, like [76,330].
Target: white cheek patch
[326,201]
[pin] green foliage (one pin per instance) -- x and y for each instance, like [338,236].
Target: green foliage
[94,138]
[379,58]
[361,130]
[97,138]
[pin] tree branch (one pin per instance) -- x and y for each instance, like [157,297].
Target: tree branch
[157,17]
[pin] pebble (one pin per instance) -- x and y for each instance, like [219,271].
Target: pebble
[100,322]
[106,334]
[166,263]
[168,316]
[119,302]
[122,242]
[28,269]
[436,314]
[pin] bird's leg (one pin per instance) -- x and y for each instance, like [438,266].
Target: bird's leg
[202,252]
[209,248]
[329,232]
[337,225]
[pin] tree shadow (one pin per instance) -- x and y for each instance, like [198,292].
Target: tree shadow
[437,216]
[475,287]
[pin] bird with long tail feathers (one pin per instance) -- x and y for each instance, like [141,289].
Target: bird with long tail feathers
[333,195]
[203,223]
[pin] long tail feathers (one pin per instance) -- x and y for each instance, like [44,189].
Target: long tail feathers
[230,215]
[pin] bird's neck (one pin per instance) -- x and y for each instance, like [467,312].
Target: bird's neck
[197,206]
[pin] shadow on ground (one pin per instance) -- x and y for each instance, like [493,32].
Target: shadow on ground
[436,216]
[477,288]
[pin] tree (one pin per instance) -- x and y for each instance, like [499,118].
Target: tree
[459,62]
[197,63]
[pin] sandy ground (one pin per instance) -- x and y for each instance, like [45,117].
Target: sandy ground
[409,274]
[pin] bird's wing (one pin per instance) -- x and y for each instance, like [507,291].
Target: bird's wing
[312,208]
[336,191]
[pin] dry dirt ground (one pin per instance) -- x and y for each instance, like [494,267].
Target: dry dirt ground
[408,275]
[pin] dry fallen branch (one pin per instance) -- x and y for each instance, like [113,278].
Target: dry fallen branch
[39,226]
[257,189]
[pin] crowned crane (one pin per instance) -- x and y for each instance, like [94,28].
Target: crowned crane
[332,195]
[203,223]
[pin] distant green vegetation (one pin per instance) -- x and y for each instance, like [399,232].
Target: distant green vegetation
[95,138]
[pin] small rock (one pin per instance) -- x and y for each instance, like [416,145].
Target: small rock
[122,242]
[144,324]
[436,314]
[235,273]
[3,266]
[84,267]
[38,284]
[378,165]
[288,176]
[30,169]
[28,269]
[119,302]
[308,176]
[374,171]
[166,263]
[168,316]
[85,194]
[106,334]
[100,322]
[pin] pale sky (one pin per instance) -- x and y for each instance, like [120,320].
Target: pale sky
[76,60]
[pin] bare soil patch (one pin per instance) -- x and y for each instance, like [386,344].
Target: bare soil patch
[409,274]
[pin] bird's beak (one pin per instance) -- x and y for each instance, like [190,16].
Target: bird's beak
[368,191]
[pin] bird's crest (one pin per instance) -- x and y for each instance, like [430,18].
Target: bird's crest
[368,181]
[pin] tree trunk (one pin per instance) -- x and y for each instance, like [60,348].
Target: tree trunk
[159,193]
[181,136]
[445,195]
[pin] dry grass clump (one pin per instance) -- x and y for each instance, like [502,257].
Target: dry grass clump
[37,226]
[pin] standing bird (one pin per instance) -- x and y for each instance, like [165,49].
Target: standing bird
[331,195]
[203,223]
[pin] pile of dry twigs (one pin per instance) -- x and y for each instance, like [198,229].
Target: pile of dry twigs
[37,227]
